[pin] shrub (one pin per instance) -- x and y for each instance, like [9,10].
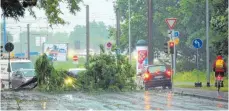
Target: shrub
[43,69]
[108,72]
[50,79]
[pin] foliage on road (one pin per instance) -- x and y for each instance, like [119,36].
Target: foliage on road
[15,9]
[109,72]
[51,79]
[43,68]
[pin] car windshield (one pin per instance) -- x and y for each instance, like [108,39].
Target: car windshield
[28,73]
[21,65]
[153,69]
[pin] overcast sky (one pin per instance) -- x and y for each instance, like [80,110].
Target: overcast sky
[100,10]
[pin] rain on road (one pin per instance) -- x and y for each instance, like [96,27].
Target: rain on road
[148,100]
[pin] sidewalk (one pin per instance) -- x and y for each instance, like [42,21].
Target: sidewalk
[214,95]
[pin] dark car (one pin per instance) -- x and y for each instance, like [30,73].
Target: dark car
[156,76]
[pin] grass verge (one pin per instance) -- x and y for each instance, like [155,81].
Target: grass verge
[69,64]
[192,77]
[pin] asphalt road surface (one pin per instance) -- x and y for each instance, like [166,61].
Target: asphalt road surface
[148,100]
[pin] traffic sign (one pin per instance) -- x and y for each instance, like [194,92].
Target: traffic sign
[170,33]
[9,47]
[176,41]
[197,43]
[171,22]
[109,44]
[176,34]
[75,58]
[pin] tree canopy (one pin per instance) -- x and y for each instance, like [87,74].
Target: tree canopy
[15,9]
[191,22]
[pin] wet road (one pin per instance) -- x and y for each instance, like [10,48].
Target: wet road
[149,100]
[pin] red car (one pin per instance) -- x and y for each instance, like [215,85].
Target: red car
[156,76]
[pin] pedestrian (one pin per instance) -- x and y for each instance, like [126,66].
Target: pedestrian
[219,67]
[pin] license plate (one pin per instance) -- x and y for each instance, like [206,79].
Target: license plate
[158,77]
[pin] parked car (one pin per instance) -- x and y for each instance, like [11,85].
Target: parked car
[22,76]
[74,71]
[156,76]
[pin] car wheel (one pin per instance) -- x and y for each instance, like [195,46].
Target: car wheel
[11,86]
[170,86]
[164,87]
[2,85]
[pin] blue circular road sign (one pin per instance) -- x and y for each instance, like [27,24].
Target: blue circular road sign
[197,43]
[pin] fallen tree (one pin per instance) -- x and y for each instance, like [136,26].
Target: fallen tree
[107,71]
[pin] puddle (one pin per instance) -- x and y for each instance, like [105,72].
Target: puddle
[147,100]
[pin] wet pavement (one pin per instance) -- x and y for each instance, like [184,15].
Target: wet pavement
[141,100]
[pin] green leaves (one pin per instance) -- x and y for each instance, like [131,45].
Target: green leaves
[50,79]
[191,23]
[106,72]
[51,7]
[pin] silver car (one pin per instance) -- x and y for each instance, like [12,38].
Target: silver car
[75,71]
[22,76]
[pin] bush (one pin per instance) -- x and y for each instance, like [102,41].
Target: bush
[50,79]
[108,72]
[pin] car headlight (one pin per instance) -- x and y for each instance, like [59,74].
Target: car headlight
[68,80]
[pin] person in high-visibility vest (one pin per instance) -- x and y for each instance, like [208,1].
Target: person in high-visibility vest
[219,67]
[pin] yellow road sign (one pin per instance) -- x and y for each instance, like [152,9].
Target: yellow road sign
[176,41]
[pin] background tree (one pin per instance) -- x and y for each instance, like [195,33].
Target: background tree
[98,35]
[219,24]
[190,23]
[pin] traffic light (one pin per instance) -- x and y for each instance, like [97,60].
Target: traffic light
[171,47]
[27,3]
[166,49]
[1,51]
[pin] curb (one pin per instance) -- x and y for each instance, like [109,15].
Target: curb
[200,96]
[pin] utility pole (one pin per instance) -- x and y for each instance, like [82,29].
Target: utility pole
[28,42]
[227,46]
[129,35]
[4,29]
[150,38]
[20,39]
[87,32]
[118,28]
[207,44]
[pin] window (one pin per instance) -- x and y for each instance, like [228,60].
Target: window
[21,65]
[28,73]
[153,69]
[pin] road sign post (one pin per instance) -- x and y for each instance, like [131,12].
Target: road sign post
[171,22]
[75,59]
[197,44]
[9,47]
